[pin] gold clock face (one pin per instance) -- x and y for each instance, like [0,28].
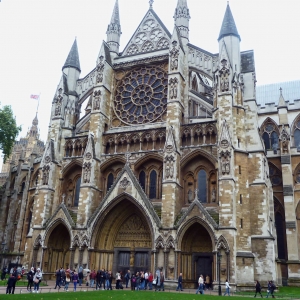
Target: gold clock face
[141,96]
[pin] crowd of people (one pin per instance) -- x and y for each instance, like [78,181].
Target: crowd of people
[102,280]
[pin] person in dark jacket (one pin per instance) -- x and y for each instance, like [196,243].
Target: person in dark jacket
[58,279]
[257,288]
[4,272]
[10,284]
[179,287]
[75,279]
[271,288]
[30,275]
[98,280]
[15,275]
[80,278]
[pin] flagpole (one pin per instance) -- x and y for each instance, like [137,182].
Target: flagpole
[37,109]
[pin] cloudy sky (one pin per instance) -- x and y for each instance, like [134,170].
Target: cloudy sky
[36,36]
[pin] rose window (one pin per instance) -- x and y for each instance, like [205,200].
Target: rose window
[141,96]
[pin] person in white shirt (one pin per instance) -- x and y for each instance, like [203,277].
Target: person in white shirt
[227,286]
[201,287]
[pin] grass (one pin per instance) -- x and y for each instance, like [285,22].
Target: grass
[21,282]
[285,293]
[282,292]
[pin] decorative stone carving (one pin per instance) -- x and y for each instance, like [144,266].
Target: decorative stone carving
[213,195]
[173,83]
[284,137]
[46,171]
[225,162]
[190,196]
[124,183]
[224,76]
[224,140]
[174,53]
[169,170]
[58,103]
[100,70]
[86,172]
[97,98]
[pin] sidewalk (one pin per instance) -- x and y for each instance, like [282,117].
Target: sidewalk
[51,284]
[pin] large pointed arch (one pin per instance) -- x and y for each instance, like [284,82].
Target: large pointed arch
[186,159]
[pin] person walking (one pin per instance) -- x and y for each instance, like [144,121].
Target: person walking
[30,275]
[75,279]
[179,286]
[271,288]
[150,281]
[68,279]
[92,278]
[10,283]
[257,288]
[58,279]
[15,276]
[118,280]
[80,277]
[127,278]
[37,280]
[227,288]
[200,285]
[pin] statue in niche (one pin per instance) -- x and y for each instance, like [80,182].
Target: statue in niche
[97,96]
[45,170]
[69,200]
[167,170]
[58,102]
[173,88]
[225,163]
[100,70]
[169,160]
[224,76]
[131,259]
[190,196]
[285,145]
[213,195]
[174,53]
[86,172]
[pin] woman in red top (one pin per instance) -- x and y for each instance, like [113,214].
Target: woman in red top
[150,280]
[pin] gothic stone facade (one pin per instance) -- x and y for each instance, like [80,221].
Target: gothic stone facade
[173,165]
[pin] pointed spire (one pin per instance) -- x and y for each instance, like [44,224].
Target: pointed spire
[73,58]
[182,17]
[228,25]
[35,121]
[281,102]
[114,30]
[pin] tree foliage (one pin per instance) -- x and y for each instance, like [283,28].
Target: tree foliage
[8,130]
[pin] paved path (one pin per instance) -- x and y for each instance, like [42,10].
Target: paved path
[51,284]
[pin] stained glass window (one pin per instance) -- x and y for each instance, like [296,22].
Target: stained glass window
[270,137]
[153,184]
[202,186]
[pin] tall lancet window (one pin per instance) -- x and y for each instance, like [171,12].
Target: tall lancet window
[110,181]
[77,192]
[153,185]
[202,186]
[142,179]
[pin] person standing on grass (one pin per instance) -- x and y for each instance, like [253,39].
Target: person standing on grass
[75,279]
[200,285]
[257,288]
[179,287]
[227,287]
[30,275]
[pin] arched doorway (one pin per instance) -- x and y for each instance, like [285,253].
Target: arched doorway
[124,240]
[57,253]
[196,254]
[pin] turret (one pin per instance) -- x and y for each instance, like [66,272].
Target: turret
[182,19]
[114,30]
[71,68]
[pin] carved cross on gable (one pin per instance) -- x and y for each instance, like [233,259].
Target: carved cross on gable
[151,3]
[127,156]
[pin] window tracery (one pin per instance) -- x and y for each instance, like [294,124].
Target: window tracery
[141,96]
[297,134]
[270,136]
[275,175]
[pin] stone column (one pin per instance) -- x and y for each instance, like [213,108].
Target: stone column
[72,254]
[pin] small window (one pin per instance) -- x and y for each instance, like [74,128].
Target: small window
[110,181]
[241,223]
[240,170]
[241,199]
[142,180]
[77,192]
[297,138]
[202,186]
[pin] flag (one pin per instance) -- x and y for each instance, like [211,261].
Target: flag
[34,96]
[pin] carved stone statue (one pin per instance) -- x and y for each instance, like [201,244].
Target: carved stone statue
[86,172]
[213,195]
[45,170]
[69,200]
[190,196]
[97,97]
[100,70]
[225,162]
[174,53]
[173,88]
[58,102]
[224,76]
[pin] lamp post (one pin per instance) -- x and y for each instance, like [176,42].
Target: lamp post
[219,272]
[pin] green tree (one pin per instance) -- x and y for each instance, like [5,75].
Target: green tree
[8,130]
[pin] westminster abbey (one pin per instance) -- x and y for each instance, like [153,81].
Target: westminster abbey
[165,156]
